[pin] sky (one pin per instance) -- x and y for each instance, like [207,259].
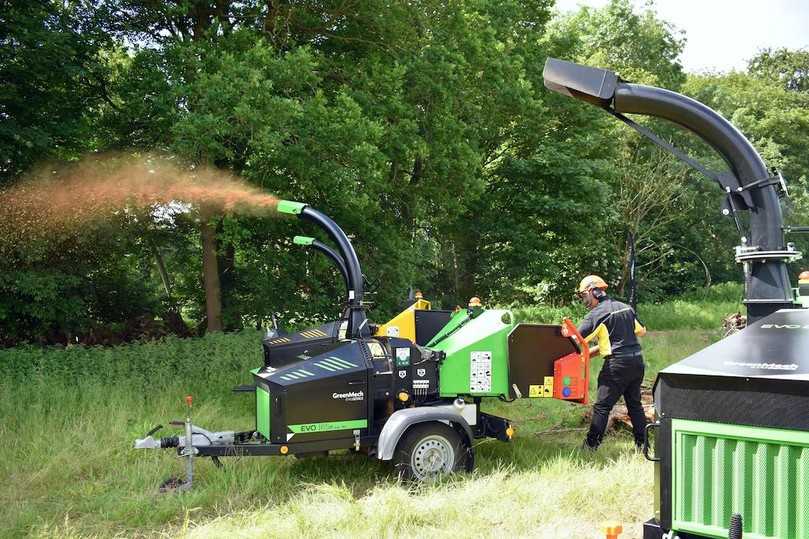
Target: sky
[723,35]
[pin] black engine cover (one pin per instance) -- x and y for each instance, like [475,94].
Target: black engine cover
[347,391]
[283,350]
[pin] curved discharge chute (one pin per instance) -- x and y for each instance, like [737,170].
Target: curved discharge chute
[748,185]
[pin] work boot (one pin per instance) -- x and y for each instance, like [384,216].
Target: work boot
[586,447]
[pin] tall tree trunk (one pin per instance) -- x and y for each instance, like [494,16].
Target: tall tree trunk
[210,277]
[226,260]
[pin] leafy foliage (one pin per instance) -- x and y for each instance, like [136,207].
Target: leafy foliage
[423,128]
[790,68]
[53,79]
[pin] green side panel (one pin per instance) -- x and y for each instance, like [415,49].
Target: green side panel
[302,240]
[720,469]
[289,206]
[477,356]
[455,320]
[263,412]
[329,425]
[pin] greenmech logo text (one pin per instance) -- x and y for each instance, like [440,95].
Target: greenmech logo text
[767,366]
[350,396]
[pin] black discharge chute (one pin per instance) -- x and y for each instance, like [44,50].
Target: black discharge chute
[748,186]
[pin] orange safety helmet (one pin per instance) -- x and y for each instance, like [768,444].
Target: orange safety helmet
[590,282]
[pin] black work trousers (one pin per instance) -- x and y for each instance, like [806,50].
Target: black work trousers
[620,376]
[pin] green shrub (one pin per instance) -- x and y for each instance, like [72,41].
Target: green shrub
[145,365]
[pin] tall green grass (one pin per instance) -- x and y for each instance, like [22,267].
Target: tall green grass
[69,417]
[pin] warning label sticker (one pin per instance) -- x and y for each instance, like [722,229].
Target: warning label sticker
[403,357]
[480,373]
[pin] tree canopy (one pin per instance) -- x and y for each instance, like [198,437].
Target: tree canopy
[423,128]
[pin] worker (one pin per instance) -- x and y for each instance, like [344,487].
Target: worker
[616,329]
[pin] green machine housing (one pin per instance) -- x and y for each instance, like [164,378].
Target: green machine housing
[733,435]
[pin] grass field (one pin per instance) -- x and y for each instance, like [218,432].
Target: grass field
[68,470]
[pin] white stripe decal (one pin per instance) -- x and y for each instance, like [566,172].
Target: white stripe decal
[335,364]
[342,361]
[324,366]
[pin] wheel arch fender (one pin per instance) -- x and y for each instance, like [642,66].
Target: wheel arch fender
[401,420]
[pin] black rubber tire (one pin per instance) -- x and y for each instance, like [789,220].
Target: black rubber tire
[420,446]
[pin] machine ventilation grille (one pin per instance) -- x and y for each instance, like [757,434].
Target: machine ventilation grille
[296,375]
[335,364]
[721,469]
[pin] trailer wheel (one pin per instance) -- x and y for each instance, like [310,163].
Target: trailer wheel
[429,450]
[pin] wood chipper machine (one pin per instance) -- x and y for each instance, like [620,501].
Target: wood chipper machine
[732,431]
[407,391]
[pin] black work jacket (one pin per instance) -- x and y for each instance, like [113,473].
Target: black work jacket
[615,325]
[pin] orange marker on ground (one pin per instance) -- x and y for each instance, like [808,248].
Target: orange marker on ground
[613,531]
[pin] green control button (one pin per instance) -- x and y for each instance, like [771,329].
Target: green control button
[566,380]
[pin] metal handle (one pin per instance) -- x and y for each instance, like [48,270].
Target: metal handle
[584,353]
[649,426]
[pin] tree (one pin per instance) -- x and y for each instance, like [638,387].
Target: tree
[638,45]
[612,169]
[651,193]
[785,66]
[53,75]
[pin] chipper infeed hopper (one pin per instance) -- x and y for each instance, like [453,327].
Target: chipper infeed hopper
[408,391]
[732,430]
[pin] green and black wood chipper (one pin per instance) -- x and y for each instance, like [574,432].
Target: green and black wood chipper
[732,431]
[414,401]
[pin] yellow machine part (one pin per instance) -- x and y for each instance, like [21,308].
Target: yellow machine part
[404,324]
[544,391]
